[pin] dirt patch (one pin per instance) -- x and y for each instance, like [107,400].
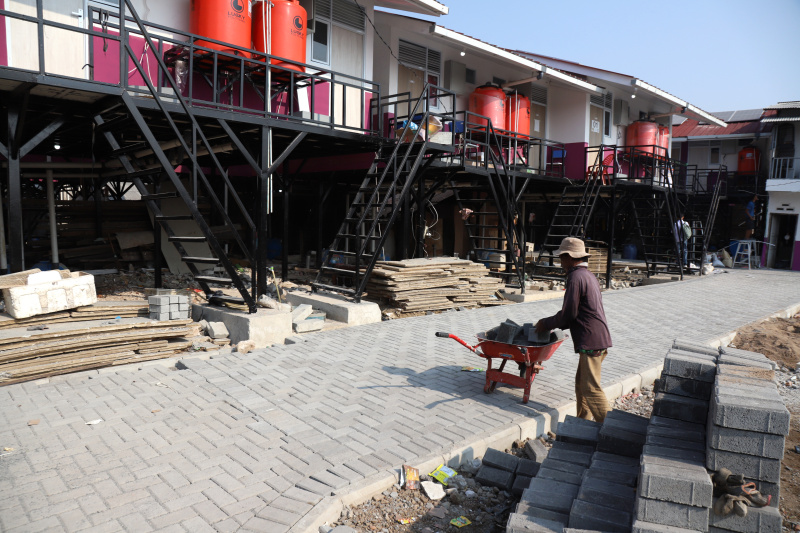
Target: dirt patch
[779,340]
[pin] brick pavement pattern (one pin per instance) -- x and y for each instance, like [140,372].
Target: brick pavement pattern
[254,442]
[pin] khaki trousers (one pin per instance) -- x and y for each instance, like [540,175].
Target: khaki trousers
[590,397]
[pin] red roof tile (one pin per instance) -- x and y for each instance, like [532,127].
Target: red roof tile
[693,128]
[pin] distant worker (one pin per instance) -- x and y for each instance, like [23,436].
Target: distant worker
[582,313]
[682,233]
[750,222]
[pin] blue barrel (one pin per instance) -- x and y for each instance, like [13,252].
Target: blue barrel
[629,251]
[274,249]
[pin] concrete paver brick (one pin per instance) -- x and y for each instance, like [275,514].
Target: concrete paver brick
[528,468]
[608,494]
[758,520]
[671,514]
[676,442]
[684,387]
[678,485]
[676,425]
[529,509]
[623,478]
[559,475]
[640,526]
[620,441]
[750,466]
[302,495]
[518,523]
[577,434]
[692,346]
[680,408]
[535,450]
[578,458]
[750,415]
[592,516]
[500,460]
[520,484]
[494,477]
[747,442]
[661,431]
[690,365]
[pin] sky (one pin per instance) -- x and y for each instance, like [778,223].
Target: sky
[720,55]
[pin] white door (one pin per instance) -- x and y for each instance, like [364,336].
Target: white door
[64,50]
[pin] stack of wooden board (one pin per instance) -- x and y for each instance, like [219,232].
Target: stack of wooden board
[597,259]
[436,284]
[101,310]
[27,355]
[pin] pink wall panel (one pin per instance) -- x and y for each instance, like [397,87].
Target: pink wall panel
[3,46]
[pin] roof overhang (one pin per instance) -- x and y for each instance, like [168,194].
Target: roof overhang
[466,41]
[426,7]
[720,137]
[781,119]
[686,109]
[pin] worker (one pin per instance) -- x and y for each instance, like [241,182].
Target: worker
[750,222]
[582,313]
[682,232]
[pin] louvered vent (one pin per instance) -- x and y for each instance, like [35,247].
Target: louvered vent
[322,8]
[538,94]
[412,55]
[434,61]
[609,100]
[348,14]
[597,99]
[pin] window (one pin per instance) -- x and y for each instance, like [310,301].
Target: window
[323,15]
[713,154]
[604,101]
[424,61]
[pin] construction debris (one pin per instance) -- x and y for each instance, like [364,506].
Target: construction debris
[38,293]
[437,284]
[102,310]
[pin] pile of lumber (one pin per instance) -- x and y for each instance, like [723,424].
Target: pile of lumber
[436,284]
[38,354]
[102,310]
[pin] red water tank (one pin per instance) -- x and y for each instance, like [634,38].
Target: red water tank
[288,35]
[228,21]
[490,101]
[663,140]
[518,114]
[749,160]
[642,134]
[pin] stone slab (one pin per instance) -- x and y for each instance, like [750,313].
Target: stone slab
[678,485]
[264,327]
[750,466]
[758,520]
[338,308]
[747,442]
[671,514]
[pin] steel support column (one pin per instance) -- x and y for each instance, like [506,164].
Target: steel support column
[263,209]
[285,229]
[17,106]
[612,218]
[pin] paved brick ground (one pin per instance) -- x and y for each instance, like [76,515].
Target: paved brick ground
[255,442]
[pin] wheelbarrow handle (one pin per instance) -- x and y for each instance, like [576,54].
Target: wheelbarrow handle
[455,338]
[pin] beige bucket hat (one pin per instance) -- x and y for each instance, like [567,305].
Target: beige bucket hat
[573,247]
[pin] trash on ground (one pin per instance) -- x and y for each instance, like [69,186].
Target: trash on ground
[442,474]
[94,422]
[461,521]
[432,490]
[472,369]
[33,422]
[409,477]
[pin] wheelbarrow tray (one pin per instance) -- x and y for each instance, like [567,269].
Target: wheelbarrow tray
[516,352]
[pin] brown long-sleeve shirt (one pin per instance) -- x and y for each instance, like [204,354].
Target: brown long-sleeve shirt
[582,312]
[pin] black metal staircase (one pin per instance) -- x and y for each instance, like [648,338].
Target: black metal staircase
[141,172]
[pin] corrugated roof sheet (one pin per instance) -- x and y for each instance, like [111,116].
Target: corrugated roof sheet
[781,119]
[785,105]
[693,128]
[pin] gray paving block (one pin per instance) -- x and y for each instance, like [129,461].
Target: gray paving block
[548,486]
[680,408]
[662,431]
[675,453]
[301,312]
[670,462]
[735,386]
[520,484]
[559,475]
[678,425]
[692,388]
[500,460]
[494,477]
[551,501]
[588,515]
[568,456]
[608,494]
[611,476]
[613,466]
[564,466]
[627,424]
[620,441]
[671,514]
[528,468]
[746,372]
[750,415]
[158,300]
[631,419]
[732,359]
[507,331]
[569,419]
[750,466]
[572,447]
[535,450]
[747,354]
[575,433]
[614,458]
[677,442]
[688,345]
[529,509]
[518,523]
[648,527]
[690,365]
[678,485]
[758,520]
[747,442]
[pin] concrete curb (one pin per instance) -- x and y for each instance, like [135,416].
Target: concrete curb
[726,339]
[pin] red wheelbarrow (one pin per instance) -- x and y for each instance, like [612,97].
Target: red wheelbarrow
[530,356]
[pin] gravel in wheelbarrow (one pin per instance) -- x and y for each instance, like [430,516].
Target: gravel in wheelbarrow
[511,342]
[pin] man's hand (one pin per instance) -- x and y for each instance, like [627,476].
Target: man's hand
[540,327]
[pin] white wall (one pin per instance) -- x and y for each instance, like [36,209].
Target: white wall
[568,115]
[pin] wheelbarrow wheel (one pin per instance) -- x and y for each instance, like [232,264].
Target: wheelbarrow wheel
[487,388]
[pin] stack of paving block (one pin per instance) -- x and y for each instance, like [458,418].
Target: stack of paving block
[746,434]
[169,307]
[501,470]
[302,321]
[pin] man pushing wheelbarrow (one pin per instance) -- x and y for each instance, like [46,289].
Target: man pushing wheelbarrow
[582,313]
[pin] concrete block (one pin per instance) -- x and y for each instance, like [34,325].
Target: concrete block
[158,300]
[568,456]
[184,308]
[614,458]
[738,388]
[684,387]
[518,523]
[555,464]
[265,327]
[677,485]
[494,477]
[750,466]
[671,514]
[307,326]
[677,442]
[729,359]
[520,484]
[588,515]
[674,453]
[173,298]
[746,372]
[535,450]
[747,354]
[620,441]
[559,475]
[529,509]
[500,460]
[301,312]
[671,462]
[572,447]
[551,501]
[747,442]
[578,433]
[507,331]
[338,308]
[613,466]
[613,495]
[569,419]
[758,520]
[528,468]
[686,345]
[750,415]
[541,486]
[661,431]
[690,365]
[159,316]
[52,294]
[648,527]
[178,315]
[630,420]
[610,476]
[680,408]
[217,330]
[677,425]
